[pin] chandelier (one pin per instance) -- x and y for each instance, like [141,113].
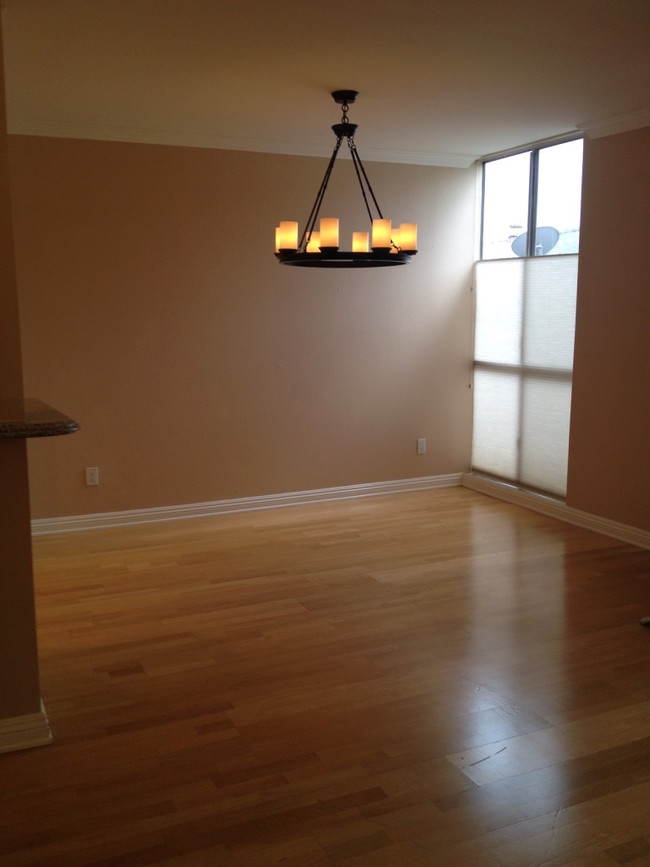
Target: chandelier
[383,245]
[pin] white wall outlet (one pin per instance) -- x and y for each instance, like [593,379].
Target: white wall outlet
[92,475]
[421,445]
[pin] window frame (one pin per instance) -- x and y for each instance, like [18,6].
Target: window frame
[533,182]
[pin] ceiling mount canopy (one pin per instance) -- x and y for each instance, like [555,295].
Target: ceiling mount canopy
[383,245]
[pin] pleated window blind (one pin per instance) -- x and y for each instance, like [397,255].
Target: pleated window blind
[525,315]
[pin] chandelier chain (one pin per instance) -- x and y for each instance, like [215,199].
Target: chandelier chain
[361,177]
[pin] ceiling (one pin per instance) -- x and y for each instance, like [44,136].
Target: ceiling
[440,82]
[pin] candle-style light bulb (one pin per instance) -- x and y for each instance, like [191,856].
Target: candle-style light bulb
[313,245]
[408,237]
[286,235]
[360,242]
[381,234]
[329,233]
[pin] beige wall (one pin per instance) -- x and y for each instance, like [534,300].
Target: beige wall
[154,313]
[609,458]
[200,369]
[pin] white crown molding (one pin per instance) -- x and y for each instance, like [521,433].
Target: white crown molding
[556,509]
[179,139]
[75,523]
[419,158]
[25,732]
[615,125]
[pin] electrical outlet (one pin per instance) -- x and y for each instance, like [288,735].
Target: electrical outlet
[92,475]
[421,445]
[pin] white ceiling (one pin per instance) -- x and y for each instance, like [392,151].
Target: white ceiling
[440,82]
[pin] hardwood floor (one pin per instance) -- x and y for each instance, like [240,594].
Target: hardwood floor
[434,678]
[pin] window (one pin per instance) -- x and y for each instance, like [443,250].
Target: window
[532,194]
[525,316]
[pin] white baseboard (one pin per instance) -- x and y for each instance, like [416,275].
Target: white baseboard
[74,523]
[25,732]
[556,509]
[509,493]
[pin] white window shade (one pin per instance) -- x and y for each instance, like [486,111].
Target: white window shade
[496,423]
[499,311]
[525,318]
[545,411]
[549,311]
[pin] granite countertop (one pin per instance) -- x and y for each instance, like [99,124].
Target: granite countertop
[36,419]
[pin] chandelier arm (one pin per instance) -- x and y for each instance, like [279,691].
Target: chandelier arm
[315,210]
[355,158]
[358,165]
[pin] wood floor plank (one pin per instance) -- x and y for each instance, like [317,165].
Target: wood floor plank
[433,678]
[554,745]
